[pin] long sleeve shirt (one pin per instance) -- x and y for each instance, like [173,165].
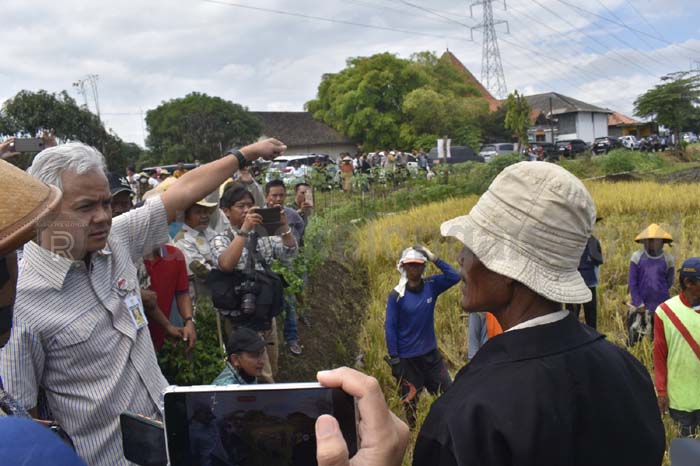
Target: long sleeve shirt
[650,279]
[410,320]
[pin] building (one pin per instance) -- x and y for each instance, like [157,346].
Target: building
[571,118]
[304,135]
[469,78]
[622,125]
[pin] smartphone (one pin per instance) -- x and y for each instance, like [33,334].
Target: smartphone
[143,440]
[272,221]
[28,145]
[309,197]
[271,424]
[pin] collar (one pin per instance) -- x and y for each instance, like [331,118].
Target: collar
[541,320]
[687,303]
[534,343]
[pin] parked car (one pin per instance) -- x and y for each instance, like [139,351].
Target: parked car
[282,167]
[170,168]
[488,151]
[543,151]
[630,142]
[690,137]
[653,143]
[571,147]
[605,144]
[458,154]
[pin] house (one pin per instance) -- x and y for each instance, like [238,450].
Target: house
[304,135]
[622,125]
[469,78]
[571,118]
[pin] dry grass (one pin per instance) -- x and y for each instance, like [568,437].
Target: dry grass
[626,209]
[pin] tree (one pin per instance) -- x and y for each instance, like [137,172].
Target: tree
[198,126]
[672,104]
[30,113]
[518,116]
[387,102]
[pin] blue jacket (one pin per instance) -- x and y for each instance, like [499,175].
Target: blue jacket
[410,321]
[230,376]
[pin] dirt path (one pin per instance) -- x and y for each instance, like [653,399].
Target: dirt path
[335,308]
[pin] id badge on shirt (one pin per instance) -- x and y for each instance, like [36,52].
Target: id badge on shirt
[135,307]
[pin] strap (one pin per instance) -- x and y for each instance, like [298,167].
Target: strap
[682,329]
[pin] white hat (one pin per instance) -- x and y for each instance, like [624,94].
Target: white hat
[532,226]
[411,256]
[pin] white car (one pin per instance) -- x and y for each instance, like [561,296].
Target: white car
[690,137]
[630,142]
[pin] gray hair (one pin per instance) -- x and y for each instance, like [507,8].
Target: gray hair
[49,164]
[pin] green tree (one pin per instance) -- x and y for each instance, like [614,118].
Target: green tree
[30,113]
[518,116]
[198,126]
[387,102]
[672,104]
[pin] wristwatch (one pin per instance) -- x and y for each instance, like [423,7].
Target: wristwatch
[184,321]
[242,161]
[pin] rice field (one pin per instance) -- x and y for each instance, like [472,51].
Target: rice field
[625,208]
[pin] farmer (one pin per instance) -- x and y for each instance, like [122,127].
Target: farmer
[410,326]
[651,275]
[677,352]
[549,391]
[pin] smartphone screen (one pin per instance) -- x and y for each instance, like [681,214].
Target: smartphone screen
[269,426]
[272,221]
[309,196]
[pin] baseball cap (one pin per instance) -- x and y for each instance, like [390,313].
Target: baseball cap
[246,340]
[690,268]
[118,184]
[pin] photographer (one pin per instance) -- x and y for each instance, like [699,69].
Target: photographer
[231,252]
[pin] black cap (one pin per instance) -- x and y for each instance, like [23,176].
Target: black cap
[118,184]
[246,340]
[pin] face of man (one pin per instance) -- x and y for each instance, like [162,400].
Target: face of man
[84,216]
[654,246]
[692,290]
[251,363]
[8,287]
[300,195]
[482,289]
[197,217]
[237,212]
[121,203]
[414,271]
[276,196]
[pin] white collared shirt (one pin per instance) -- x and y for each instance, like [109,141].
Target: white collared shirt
[195,246]
[74,337]
[541,320]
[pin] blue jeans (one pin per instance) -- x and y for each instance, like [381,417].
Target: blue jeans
[290,318]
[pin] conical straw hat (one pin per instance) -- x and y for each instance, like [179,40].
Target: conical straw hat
[654,231]
[24,202]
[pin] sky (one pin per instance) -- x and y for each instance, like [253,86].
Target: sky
[604,52]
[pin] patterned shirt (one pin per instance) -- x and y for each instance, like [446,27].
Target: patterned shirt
[195,245]
[74,337]
[269,247]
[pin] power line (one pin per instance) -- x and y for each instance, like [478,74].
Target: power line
[434,13]
[612,13]
[631,5]
[332,20]
[626,26]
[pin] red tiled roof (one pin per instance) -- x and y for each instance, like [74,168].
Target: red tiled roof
[616,118]
[469,78]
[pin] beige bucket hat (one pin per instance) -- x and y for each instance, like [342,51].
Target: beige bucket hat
[532,226]
[25,202]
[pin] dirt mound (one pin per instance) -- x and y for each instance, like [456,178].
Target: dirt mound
[692,175]
[334,307]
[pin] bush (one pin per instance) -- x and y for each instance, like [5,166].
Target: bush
[617,161]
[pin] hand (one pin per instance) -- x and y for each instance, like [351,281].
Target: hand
[252,218]
[426,252]
[173,332]
[267,149]
[49,138]
[189,335]
[149,299]
[284,221]
[662,401]
[6,149]
[384,436]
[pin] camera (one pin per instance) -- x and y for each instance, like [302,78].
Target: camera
[248,290]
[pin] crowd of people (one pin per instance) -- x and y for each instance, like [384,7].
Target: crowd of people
[93,264]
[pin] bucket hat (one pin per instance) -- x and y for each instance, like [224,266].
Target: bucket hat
[532,225]
[25,202]
[654,231]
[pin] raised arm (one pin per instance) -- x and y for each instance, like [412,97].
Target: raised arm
[198,183]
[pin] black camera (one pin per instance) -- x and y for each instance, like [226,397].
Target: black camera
[248,290]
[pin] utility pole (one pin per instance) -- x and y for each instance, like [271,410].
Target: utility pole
[491,68]
[91,80]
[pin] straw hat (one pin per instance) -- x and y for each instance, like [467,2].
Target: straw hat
[532,225]
[25,202]
[654,231]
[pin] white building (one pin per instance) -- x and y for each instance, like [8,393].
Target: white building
[570,118]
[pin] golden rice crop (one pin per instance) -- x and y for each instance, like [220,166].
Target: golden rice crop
[626,209]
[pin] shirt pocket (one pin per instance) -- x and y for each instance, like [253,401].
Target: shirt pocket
[76,332]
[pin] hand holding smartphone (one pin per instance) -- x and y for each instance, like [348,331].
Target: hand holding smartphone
[253,424]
